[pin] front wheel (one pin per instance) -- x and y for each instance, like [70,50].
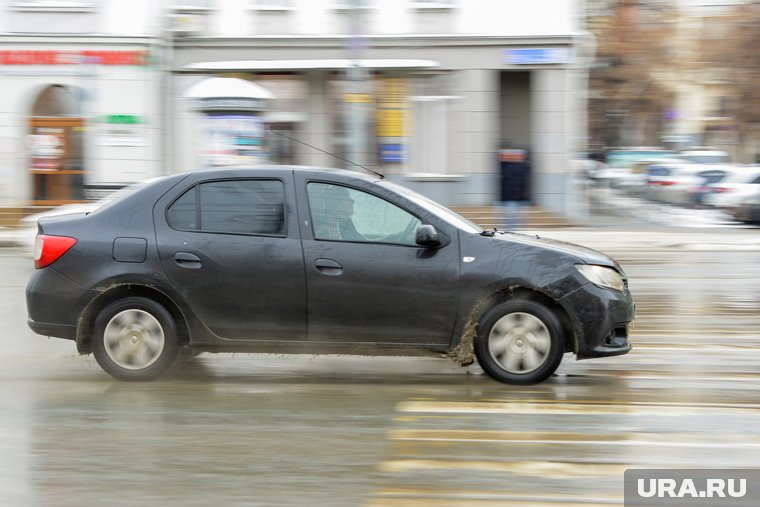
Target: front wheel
[135,338]
[519,342]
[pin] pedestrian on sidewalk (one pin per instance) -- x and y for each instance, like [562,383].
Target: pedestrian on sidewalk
[515,186]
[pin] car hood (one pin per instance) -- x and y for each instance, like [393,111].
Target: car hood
[582,253]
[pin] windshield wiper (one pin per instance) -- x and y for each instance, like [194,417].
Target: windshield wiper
[489,232]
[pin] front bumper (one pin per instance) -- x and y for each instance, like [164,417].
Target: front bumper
[601,320]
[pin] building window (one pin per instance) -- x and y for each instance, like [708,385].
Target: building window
[434,4]
[347,5]
[54,5]
[599,8]
[192,5]
[271,17]
[434,16]
[272,5]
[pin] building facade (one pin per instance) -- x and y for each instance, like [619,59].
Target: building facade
[424,92]
[79,101]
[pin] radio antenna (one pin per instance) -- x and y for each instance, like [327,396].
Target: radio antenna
[380,175]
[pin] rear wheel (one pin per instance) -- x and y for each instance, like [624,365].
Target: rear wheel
[135,338]
[519,342]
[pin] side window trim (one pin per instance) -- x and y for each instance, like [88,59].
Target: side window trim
[196,188]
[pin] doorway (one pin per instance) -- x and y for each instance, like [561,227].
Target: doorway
[55,147]
[515,109]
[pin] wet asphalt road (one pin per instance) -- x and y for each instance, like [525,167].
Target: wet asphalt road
[248,430]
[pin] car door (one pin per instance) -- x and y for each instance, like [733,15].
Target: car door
[231,248]
[368,281]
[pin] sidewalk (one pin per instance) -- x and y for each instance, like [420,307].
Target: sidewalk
[667,239]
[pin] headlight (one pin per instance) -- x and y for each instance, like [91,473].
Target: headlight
[602,276]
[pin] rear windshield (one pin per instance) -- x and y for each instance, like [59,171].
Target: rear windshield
[120,194]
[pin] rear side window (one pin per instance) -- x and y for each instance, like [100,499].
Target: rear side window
[231,206]
[657,170]
[712,176]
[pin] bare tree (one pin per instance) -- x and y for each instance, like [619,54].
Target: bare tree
[628,99]
[729,51]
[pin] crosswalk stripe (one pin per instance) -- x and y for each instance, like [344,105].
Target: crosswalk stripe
[545,469]
[628,439]
[547,407]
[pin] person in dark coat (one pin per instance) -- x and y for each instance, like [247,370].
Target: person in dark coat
[515,186]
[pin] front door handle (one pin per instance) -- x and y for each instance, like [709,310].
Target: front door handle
[328,267]
[187,260]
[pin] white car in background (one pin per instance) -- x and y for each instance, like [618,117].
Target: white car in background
[685,184]
[705,156]
[732,191]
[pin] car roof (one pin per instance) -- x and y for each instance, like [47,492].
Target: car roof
[744,175]
[246,171]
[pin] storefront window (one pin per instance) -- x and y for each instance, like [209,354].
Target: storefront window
[55,147]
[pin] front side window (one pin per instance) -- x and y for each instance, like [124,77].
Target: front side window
[347,214]
[233,206]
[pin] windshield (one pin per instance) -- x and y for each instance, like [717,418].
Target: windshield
[626,158]
[443,212]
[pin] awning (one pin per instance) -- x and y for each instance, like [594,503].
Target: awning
[227,87]
[330,64]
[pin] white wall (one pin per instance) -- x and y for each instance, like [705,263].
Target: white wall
[389,17]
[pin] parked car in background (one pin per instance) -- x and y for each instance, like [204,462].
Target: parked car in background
[684,185]
[733,190]
[705,156]
[748,210]
[635,182]
[310,260]
[659,175]
[620,161]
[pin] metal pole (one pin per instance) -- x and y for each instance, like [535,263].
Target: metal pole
[356,80]
[165,98]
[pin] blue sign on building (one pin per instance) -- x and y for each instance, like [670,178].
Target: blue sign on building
[392,152]
[537,56]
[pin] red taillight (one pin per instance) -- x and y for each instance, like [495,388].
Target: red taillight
[720,190]
[47,249]
[667,183]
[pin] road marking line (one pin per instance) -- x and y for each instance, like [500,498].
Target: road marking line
[525,407]
[472,502]
[714,377]
[440,502]
[628,439]
[492,495]
[544,469]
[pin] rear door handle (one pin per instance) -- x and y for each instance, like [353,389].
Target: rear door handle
[187,260]
[328,267]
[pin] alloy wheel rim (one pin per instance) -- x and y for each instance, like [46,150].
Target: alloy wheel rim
[519,343]
[134,339]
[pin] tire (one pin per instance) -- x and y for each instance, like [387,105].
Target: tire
[135,339]
[519,342]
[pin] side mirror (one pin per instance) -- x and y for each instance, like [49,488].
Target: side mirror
[427,236]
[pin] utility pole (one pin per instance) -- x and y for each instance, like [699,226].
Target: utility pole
[357,77]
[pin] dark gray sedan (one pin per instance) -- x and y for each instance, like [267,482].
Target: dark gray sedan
[308,260]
